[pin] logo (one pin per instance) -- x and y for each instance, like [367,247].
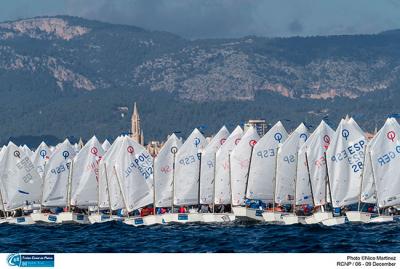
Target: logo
[43,153]
[252,143]
[304,136]
[196,141]
[345,133]
[222,141]
[65,154]
[31,260]
[130,150]
[17,154]
[94,151]
[278,137]
[174,150]
[391,135]
[237,141]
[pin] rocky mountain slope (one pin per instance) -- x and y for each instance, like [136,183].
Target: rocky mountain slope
[55,68]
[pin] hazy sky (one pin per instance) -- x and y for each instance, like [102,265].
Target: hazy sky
[224,18]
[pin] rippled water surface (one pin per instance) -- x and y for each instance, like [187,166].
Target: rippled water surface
[232,237]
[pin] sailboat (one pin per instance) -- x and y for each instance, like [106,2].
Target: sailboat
[286,172]
[239,166]
[164,165]
[84,179]
[56,184]
[261,181]
[222,182]
[207,178]
[110,198]
[384,157]
[313,151]
[345,162]
[367,189]
[133,170]
[20,184]
[186,179]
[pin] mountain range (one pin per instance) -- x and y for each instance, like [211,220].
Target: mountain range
[66,76]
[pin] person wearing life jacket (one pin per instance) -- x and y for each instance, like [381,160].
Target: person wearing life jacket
[182,209]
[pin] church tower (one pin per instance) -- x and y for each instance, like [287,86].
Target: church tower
[136,131]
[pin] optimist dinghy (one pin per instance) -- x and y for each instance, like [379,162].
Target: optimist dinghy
[20,183]
[261,183]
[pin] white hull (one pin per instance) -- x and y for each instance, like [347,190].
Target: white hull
[217,217]
[357,216]
[134,221]
[182,217]
[289,219]
[271,216]
[24,220]
[311,220]
[63,217]
[334,221]
[239,211]
[100,218]
[381,219]
[254,214]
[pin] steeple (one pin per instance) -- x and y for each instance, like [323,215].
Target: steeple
[136,131]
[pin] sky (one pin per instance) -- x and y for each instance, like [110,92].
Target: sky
[224,18]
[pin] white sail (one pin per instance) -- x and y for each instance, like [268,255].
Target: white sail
[163,171]
[28,151]
[207,173]
[222,188]
[109,191]
[287,165]
[41,156]
[134,168]
[263,164]
[345,159]
[85,174]
[186,185]
[385,156]
[20,183]
[240,161]
[368,190]
[106,145]
[315,148]
[56,175]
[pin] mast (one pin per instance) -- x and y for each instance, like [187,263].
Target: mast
[69,186]
[276,170]
[309,180]
[108,190]
[173,151]
[230,180]
[376,189]
[43,185]
[198,192]
[122,193]
[329,184]
[295,182]
[154,189]
[215,168]
[361,184]
[248,172]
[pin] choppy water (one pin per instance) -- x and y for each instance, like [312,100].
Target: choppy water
[232,237]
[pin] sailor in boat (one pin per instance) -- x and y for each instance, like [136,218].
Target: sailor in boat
[204,209]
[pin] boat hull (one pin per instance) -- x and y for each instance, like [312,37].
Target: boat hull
[217,217]
[101,218]
[357,216]
[254,214]
[334,221]
[272,217]
[63,217]
[382,219]
[289,219]
[182,217]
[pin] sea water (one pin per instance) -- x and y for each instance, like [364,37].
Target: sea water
[227,237]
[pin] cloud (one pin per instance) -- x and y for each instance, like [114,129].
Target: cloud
[226,18]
